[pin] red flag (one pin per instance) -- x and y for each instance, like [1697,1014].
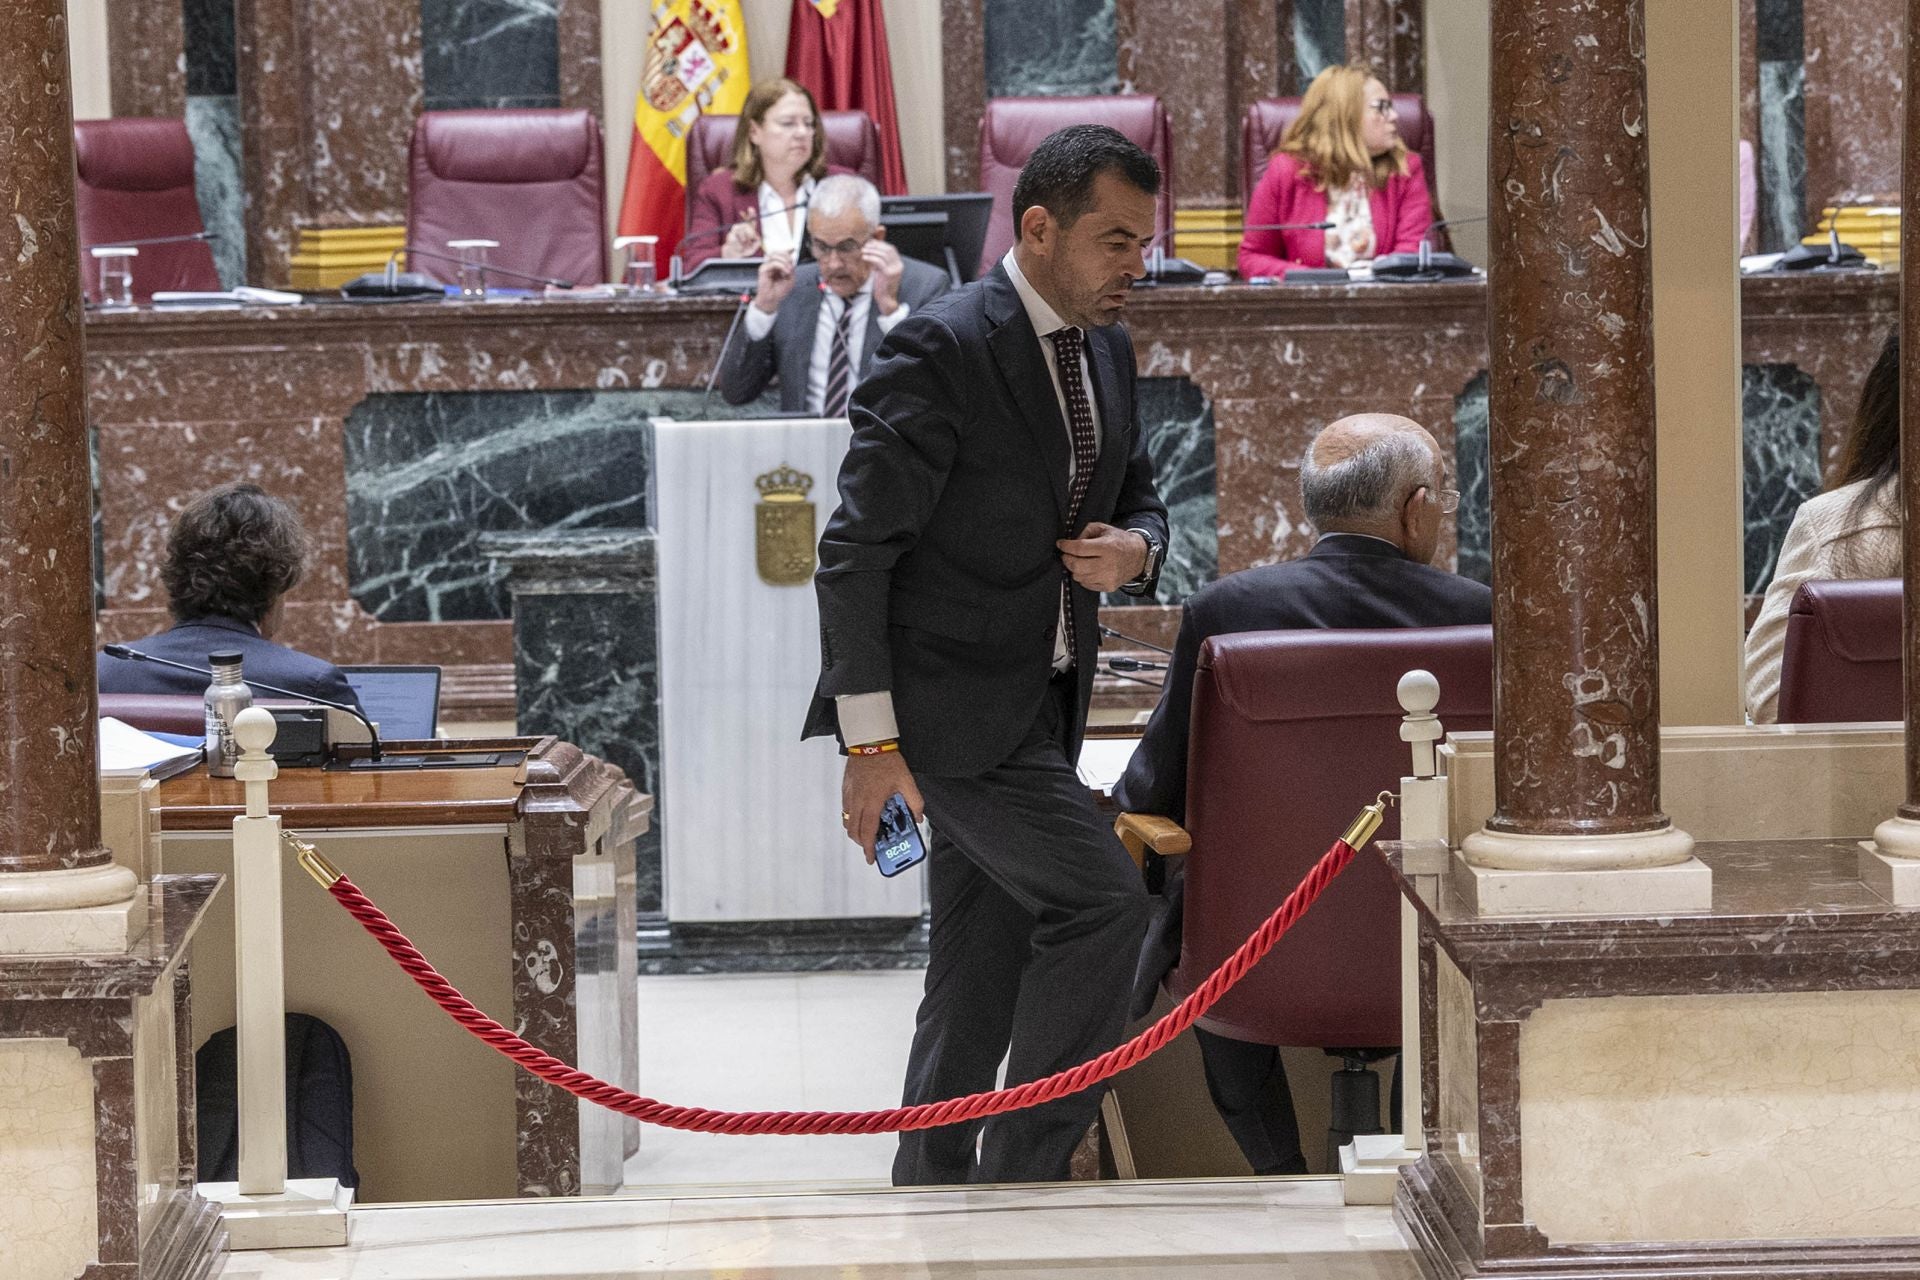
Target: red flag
[838,49]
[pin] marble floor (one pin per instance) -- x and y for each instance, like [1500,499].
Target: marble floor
[771,1042]
[1280,1229]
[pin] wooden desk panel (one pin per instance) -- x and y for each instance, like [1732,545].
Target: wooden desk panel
[322,800]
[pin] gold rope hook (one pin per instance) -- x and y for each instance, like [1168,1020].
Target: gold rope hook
[324,873]
[1368,822]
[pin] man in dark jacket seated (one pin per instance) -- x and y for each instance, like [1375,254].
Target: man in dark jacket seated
[232,556]
[1371,485]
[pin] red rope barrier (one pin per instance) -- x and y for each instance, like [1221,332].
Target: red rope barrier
[925,1116]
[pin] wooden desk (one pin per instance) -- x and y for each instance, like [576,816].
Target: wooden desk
[518,884]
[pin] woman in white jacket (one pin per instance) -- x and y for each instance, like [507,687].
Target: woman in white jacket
[1850,531]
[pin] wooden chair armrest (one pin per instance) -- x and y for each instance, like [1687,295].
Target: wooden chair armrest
[1140,832]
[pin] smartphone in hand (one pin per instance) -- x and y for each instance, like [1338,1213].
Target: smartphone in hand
[899,844]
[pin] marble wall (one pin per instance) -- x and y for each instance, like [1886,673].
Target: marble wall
[1781,148]
[1065,47]
[1780,407]
[490,53]
[1472,478]
[1179,426]
[1319,37]
[213,121]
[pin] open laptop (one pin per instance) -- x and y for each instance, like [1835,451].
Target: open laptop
[403,701]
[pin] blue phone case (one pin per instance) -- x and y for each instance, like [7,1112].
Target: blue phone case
[898,845]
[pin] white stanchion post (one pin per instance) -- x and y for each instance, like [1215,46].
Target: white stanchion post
[1370,1165]
[263,1210]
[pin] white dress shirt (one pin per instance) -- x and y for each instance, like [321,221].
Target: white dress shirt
[759,324]
[781,227]
[868,717]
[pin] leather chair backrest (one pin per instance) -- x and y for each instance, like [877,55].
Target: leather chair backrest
[157,712]
[1292,733]
[1267,120]
[852,143]
[1842,660]
[1013,127]
[133,180]
[532,179]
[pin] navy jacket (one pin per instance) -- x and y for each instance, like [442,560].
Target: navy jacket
[939,579]
[1346,581]
[191,642]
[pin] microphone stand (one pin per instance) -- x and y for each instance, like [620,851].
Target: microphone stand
[410,251]
[675,275]
[714,374]
[127,654]
[152,240]
[1112,634]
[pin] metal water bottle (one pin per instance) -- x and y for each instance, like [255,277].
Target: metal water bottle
[227,697]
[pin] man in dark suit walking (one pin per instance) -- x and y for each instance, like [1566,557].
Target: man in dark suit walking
[815,327]
[997,482]
[1372,485]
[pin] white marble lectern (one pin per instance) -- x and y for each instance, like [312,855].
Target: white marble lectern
[751,814]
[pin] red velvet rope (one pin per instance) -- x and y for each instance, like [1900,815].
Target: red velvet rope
[926,1115]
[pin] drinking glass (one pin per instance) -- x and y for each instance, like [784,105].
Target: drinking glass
[116,274]
[473,265]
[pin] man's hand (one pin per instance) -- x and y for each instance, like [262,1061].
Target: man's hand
[865,788]
[1104,558]
[883,260]
[775,282]
[743,241]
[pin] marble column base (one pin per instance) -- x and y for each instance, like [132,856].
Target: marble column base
[1370,1167]
[1516,851]
[108,930]
[1893,876]
[68,887]
[310,1214]
[1632,891]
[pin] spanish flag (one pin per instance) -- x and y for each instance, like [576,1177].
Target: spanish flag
[696,64]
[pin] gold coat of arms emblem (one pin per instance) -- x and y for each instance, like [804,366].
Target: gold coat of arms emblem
[783,538]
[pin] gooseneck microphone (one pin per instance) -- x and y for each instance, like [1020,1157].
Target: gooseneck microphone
[126,654]
[151,240]
[489,268]
[712,375]
[1112,634]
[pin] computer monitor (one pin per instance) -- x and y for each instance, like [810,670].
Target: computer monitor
[948,231]
[403,701]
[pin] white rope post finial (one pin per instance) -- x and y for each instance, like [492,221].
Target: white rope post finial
[260,1001]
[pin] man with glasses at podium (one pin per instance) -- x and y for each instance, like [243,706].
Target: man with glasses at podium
[814,326]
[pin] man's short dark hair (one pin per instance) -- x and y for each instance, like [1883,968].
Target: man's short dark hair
[232,553]
[1060,173]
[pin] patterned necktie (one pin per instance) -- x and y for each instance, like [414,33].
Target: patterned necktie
[1067,345]
[838,367]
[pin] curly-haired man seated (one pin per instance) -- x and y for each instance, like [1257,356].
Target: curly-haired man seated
[232,556]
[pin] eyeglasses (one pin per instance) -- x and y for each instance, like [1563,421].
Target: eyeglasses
[1382,107]
[845,249]
[1449,499]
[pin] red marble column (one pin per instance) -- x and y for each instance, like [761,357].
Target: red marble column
[1390,36]
[963,68]
[146,53]
[1577,710]
[49,783]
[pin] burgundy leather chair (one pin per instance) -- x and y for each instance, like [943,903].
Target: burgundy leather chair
[157,712]
[1842,660]
[1292,733]
[1013,127]
[532,179]
[1266,123]
[852,143]
[134,181]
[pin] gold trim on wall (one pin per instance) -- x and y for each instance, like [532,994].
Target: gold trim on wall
[1208,236]
[328,257]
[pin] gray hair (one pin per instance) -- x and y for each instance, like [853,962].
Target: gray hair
[840,193]
[1366,485]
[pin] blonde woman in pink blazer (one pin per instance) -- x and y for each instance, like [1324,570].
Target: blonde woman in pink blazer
[1341,161]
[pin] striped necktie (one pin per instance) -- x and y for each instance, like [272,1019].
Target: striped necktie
[839,367]
[1067,344]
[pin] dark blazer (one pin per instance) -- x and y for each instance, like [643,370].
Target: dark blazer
[939,579]
[1345,581]
[787,350]
[717,205]
[191,642]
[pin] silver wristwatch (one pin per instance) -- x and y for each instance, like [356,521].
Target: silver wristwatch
[1156,553]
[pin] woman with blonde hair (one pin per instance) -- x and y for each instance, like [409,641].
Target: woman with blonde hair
[1341,161]
[758,206]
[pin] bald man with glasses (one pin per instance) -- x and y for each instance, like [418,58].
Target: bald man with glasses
[813,327]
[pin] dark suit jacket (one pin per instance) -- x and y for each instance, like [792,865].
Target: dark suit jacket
[717,205]
[191,642]
[1345,581]
[787,350]
[939,579]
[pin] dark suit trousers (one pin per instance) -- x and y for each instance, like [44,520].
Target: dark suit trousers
[1037,919]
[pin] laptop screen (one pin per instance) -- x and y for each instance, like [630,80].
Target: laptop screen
[403,701]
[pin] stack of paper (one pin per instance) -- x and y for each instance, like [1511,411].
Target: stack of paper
[125,749]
